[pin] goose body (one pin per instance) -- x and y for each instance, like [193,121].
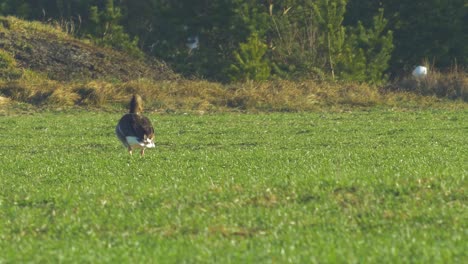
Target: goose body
[135,130]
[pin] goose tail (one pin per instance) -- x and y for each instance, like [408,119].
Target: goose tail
[136,104]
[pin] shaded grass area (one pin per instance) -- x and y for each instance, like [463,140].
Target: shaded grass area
[376,186]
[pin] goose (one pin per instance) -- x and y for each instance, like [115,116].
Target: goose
[135,130]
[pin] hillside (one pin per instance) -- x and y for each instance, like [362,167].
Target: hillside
[45,49]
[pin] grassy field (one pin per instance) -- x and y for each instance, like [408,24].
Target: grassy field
[358,187]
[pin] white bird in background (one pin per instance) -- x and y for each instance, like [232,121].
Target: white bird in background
[192,43]
[420,72]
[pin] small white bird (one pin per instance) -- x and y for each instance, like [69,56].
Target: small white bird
[420,72]
[192,43]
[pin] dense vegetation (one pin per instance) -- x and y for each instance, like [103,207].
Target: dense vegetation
[360,40]
[45,67]
[43,64]
[372,187]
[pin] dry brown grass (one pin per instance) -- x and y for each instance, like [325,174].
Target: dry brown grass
[4,100]
[174,95]
[252,96]
[95,93]
[29,89]
[185,95]
[452,84]
[62,97]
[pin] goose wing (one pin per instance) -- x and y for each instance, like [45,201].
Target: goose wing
[141,126]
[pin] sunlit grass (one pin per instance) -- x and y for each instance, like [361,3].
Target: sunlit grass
[321,187]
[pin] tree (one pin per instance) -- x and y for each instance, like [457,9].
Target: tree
[432,29]
[20,8]
[304,38]
[329,15]
[106,30]
[250,63]
[367,52]
[293,39]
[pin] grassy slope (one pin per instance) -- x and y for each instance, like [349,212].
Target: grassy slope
[353,187]
[47,50]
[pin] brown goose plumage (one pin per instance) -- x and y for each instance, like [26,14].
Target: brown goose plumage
[135,130]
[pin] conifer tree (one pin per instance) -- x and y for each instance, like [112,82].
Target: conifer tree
[250,63]
[366,52]
[106,29]
[329,15]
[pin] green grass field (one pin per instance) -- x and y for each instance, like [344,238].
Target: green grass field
[360,187]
